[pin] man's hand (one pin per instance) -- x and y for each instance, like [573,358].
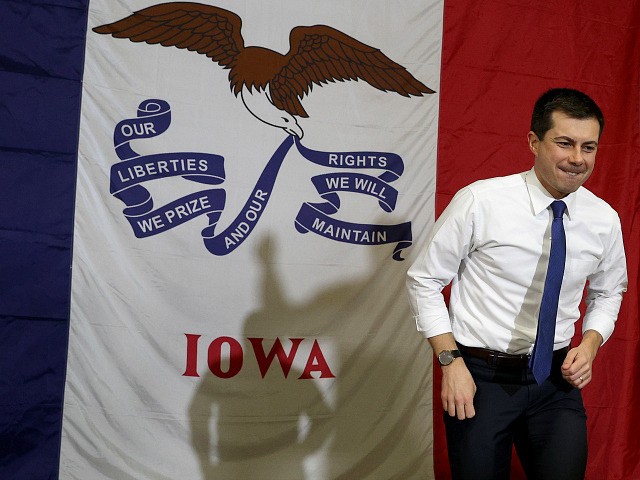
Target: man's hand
[577,365]
[458,387]
[458,390]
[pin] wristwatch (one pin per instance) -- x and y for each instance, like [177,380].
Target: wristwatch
[445,357]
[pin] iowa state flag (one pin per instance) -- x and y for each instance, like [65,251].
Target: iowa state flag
[207,208]
[204,211]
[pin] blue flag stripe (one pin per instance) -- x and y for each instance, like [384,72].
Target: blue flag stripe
[40,90]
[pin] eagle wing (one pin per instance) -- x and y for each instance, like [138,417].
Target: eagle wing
[208,30]
[321,54]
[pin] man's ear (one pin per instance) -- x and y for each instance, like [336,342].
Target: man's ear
[534,142]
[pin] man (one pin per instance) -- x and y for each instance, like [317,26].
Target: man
[494,242]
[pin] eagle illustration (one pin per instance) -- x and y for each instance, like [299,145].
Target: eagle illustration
[270,84]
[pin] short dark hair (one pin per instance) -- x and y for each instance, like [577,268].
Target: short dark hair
[573,103]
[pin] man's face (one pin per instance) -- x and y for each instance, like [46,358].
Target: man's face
[565,157]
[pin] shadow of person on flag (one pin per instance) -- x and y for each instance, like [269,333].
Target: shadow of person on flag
[270,419]
[329,388]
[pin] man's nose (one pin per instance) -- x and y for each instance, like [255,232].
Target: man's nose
[576,156]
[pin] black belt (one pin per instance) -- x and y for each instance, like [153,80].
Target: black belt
[500,359]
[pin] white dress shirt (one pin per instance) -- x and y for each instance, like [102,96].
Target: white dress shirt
[492,242]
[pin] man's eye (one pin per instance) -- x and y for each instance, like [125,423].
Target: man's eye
[589,149]
[563,144]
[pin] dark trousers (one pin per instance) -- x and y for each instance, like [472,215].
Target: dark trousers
[546,423]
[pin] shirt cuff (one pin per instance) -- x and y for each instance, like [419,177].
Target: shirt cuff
[601,324]
[431,326]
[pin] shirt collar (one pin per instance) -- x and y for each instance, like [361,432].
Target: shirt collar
[541,199]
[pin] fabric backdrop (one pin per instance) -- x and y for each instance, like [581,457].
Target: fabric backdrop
[497,57]
[242,315]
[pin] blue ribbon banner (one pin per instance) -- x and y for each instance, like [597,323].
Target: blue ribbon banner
[236,233]
[315,217]
[154,117]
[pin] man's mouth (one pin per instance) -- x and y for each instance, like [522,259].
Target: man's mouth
[572,173]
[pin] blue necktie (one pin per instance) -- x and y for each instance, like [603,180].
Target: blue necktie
[542,355]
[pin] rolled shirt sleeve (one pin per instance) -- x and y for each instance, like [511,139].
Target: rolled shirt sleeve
[606,286]
[449,242]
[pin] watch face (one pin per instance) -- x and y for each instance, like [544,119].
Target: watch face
[445,357]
